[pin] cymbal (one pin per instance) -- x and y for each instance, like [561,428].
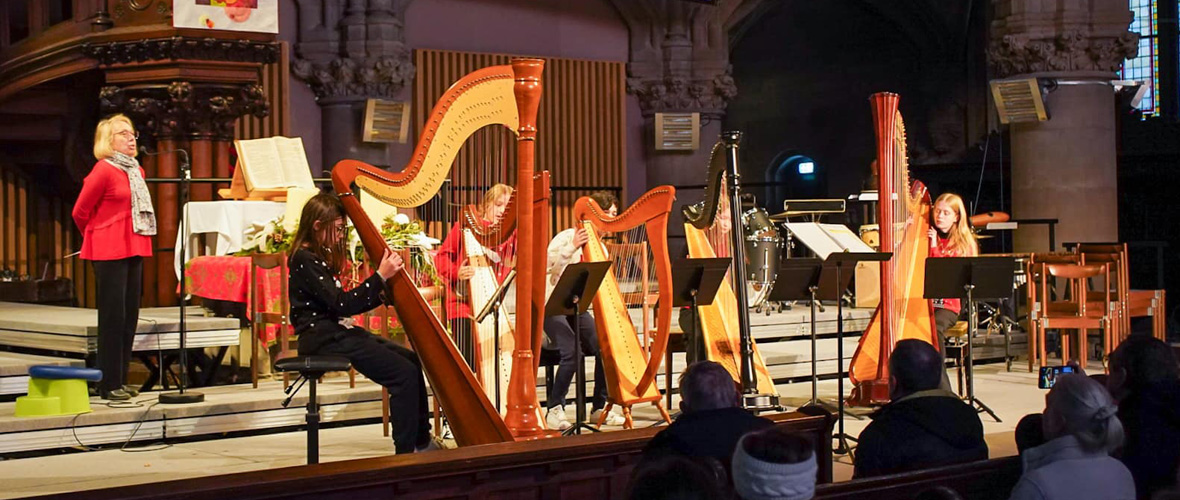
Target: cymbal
[984,236]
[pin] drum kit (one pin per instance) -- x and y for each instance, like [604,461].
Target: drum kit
[766,244]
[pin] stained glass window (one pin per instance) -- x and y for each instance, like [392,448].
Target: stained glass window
[1145,65]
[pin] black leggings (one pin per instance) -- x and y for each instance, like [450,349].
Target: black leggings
[121,282]
[393,367]
[944,319]
[561,331]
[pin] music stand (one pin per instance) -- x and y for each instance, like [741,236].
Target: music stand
[695,283]
[970,278]
[577,282]
[805,279]
[838,261]
[493,307]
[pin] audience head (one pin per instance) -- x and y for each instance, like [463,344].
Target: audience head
[706,385]
[1030,432]
[914,366]
[676,477]
[1081,407]
[772,464]
[939,493]
[1138,362]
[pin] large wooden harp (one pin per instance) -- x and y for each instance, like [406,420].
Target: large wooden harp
[506,95]
[630,371]
[903,211]
[707,230]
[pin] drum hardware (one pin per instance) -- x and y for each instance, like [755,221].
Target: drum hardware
[814,208]
[762,249]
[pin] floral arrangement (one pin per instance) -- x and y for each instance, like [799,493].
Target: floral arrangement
[400,233]
[270,237]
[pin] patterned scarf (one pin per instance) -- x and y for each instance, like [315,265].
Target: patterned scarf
[143,215]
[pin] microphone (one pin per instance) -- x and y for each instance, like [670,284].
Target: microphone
[184,162]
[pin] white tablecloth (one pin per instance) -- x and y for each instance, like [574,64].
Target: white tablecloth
[219,227]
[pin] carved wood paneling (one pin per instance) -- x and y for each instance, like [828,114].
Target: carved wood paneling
[275,86]
[580,124]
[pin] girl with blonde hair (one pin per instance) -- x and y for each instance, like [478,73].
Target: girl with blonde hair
[950,236]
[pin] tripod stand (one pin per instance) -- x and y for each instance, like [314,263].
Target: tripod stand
[971,278]
[578,282]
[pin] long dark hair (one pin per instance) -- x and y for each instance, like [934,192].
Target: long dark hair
[324,208]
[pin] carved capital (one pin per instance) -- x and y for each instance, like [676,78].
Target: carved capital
[183,108]
[1072,50]
[179,47]
[676,94]
[346,78]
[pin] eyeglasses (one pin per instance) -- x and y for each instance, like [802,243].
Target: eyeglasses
[129,134]
[340,230]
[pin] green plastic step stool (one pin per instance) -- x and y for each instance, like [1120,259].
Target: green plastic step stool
[57,390]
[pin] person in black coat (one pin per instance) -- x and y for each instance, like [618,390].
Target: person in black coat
[712,420]
[321,312]
[923,426]
[1145,380]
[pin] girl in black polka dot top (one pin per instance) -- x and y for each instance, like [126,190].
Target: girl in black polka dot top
[322,312]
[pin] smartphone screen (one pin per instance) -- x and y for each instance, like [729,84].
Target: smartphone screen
[1048,375]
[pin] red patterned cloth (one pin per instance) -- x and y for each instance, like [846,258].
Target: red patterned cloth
[228,278]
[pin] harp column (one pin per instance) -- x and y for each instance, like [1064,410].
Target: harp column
[182,94]
[1064,168]
[347,56]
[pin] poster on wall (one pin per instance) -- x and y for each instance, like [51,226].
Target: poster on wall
[229,15]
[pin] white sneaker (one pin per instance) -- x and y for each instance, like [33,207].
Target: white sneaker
[555,418]
[612,418]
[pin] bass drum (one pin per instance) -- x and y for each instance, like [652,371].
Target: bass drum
[763,247]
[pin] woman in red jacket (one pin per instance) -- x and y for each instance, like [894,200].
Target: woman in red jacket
[115,215]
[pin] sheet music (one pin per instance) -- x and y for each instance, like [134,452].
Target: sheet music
[825,239]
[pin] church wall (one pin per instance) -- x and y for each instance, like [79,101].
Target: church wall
[588,29]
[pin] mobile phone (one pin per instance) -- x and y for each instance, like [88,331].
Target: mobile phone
[1048,375]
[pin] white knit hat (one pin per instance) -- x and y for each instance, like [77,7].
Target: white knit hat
[755,479]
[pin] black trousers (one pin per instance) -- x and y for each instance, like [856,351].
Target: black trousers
[121,283]
[561,332]
[393,367]
[944,319]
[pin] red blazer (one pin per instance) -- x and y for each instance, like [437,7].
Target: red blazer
[103,214]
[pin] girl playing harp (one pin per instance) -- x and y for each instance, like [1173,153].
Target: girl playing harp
[322,315]
[456,268]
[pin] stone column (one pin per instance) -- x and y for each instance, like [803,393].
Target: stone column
[350,51]
[1064,168]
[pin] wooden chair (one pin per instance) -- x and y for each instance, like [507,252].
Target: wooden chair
[1033,270]
[1115,285]
[262,314]
[1072,313]
[1136,303]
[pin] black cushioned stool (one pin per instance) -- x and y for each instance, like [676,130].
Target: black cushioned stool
[310,368]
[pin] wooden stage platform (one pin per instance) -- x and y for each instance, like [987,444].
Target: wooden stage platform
[784,338]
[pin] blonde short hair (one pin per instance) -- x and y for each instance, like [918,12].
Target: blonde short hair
[104,135]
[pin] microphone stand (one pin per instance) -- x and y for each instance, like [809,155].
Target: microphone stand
[182,397]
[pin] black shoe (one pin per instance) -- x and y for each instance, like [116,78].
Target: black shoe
[131,390]
[117,395]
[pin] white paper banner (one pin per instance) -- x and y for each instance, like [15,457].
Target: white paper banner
[229,15]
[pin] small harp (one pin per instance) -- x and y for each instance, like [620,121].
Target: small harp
[494,337]
[903,210]
[707,230]
[630,371]
[506,95]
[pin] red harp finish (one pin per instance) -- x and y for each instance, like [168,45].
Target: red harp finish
[904,217]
